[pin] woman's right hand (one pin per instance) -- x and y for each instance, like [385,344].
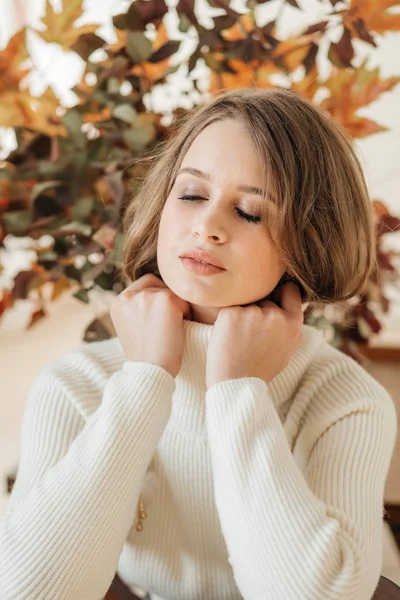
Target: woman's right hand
[148,319]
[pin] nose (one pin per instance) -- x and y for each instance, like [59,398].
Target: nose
[209,225]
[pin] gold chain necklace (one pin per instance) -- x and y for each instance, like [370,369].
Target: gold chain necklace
[141,515]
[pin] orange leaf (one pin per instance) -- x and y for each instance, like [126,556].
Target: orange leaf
[11,58]
[36,316]
[95,117]
[360,127]
[6,301]
[308,85]
[375,15]
[161,37]
[351,89]
[20,109]
[245,76]
[243,25]
[60,27]
[152,71]
[121,40]
[59,287]
[294,50]
[380,208]
[4,202]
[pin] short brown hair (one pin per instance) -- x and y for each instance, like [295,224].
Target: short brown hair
[323,227]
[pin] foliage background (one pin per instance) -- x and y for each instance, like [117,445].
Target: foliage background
[75,168]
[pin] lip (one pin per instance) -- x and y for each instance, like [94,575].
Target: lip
[200,268]
[206,256]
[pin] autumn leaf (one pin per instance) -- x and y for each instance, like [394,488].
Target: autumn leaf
[21,109]
[239,30]
[351,89]
[308,84]
[245,76]
[149,71]
[254,73]
[60,27]
[374,15]
[6,301]
[59,286]
[4,203]
[11,72]
[15,110]
[103,114]
[380,208]
[36,316]
[293,51]
[120,43]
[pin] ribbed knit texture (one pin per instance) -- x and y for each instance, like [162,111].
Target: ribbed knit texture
[254,491]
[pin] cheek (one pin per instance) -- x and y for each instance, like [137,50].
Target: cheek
[261,260]
[168,231]
[165,224]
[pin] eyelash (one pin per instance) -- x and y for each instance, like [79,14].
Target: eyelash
[241,214]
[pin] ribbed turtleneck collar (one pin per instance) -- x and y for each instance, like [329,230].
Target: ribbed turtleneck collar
[188,402]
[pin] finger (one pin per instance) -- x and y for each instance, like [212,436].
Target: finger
[291,298]
[272,298]
[146,281]
[187,311]
[183,306]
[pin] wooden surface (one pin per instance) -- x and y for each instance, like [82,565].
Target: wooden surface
[386,590]
[384,366]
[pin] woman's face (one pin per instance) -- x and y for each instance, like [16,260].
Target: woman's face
[224,152]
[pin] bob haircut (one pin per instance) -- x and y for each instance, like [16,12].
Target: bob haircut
[322,228]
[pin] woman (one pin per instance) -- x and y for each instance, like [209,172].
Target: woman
[217,447]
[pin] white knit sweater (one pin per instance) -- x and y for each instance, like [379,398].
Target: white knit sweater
[254,491]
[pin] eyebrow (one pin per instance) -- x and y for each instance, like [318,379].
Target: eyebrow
[249,189]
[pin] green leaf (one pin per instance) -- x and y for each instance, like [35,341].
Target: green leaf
[184,24]
[139,137]
[138,47]
[72,120]
[17,221]
[118,247]
[82,295]
[113,87]
[46,168]
[83,208]
[42,186]
[126,113]
[47,255]
[77,227]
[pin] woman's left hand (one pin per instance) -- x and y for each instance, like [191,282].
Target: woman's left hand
[256,340]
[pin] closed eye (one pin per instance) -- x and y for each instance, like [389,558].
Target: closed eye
[241,214]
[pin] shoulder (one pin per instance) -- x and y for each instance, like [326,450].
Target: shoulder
[340,385]
[82,373]
[335,388]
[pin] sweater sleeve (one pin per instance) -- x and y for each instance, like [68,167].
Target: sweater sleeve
[297,535]
[78,483]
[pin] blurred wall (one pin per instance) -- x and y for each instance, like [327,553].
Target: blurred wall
[379,153]
[23,352]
